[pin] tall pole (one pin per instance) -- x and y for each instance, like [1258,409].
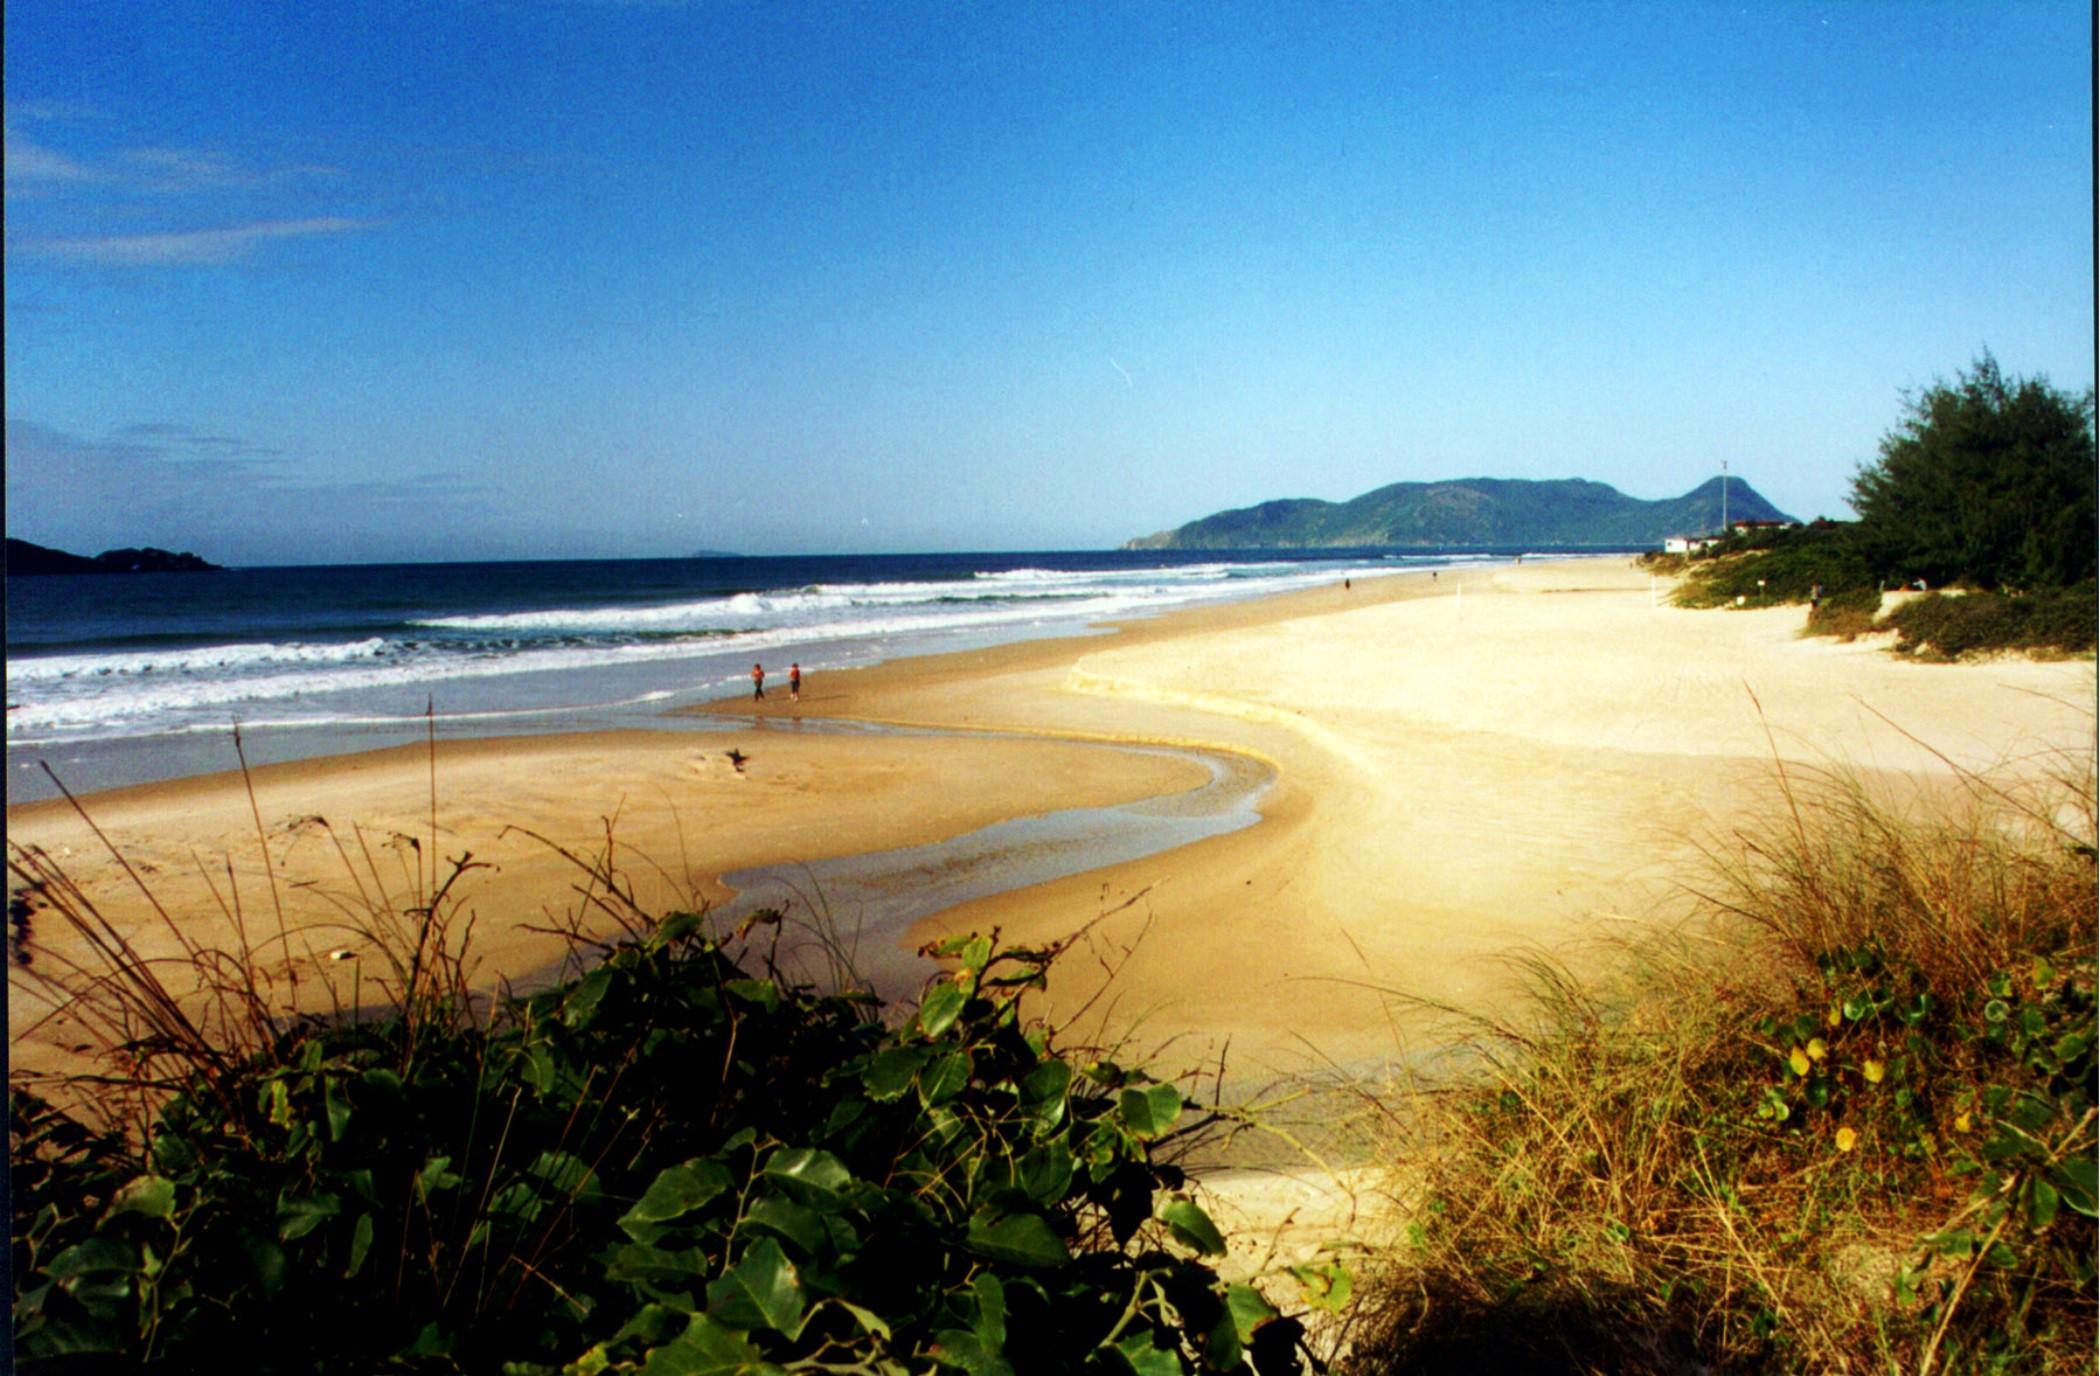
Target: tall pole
[1724,496]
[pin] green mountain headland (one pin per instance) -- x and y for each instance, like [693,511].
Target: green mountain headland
[1471,511]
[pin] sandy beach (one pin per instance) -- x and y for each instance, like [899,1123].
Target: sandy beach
[1501,757]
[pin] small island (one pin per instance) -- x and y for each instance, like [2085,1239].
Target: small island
[24,558]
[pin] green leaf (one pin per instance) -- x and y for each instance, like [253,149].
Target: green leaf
[960,1347]
[338,1106]
[1222,1349]
[656,1266]
[298,1217]
[1325,1287]
[1192,1227]
[803,1227]
[762,1290]
[676,1192]
[1046,1172]
[435,1178]
[814,1170]
[976,954]
[890,1072]
[1248,1309]
[1043,1093]
[276,1103]
[2078,1182]
[583,997]
[151,1195]
[360,1243]
[654,1324]
[991,1311]
[95,1254]
[762,992]
[1149,1111]
[945,1078]
[565,1174]
[940,1008]
[1025,1239]
[1146,1360]
[706,1348]
[2041,1205]
[868,1319]
[173,1153]
[676,927]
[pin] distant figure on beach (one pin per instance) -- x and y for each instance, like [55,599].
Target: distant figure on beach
[1432,575]
[795,682]
[1346,585]
[758,681]
[1815,598]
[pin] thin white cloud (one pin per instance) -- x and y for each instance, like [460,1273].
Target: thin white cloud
[31,164]
[191,246]
[173,171]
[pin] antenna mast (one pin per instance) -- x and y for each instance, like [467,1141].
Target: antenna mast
[1724,497]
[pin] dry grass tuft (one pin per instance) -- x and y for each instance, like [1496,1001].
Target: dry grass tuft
[1841,1120]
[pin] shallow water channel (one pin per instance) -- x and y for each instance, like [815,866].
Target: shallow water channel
[865,904]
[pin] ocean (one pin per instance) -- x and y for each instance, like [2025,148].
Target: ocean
[122,679]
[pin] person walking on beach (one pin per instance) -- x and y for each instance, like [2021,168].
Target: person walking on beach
[795,682]
[758,682]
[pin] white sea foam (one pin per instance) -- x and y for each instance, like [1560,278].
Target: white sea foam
[207,659]
[586,659]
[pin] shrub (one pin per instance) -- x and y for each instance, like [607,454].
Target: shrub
[668,1164]
[1978,622]
[1790,563]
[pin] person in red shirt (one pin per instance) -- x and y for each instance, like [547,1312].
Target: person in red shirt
[795,682]
[758,682]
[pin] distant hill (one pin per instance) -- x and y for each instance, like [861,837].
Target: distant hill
[1471,511]
[24,558]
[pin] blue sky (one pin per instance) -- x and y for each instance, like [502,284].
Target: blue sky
[495,278]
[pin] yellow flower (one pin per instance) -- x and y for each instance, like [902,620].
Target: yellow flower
[1798,1059]
[1833,1017]
[1961,1122]
[1847,1139]
[1873,1070]
[1816,1050]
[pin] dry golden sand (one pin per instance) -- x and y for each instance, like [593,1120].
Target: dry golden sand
[1500,757]
[1504,757]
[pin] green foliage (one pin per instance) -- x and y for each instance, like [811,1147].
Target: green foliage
[1773,566]
[1987,480]
[1948,627]
[664,1166]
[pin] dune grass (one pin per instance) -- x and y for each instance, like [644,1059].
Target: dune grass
[1842,1120]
